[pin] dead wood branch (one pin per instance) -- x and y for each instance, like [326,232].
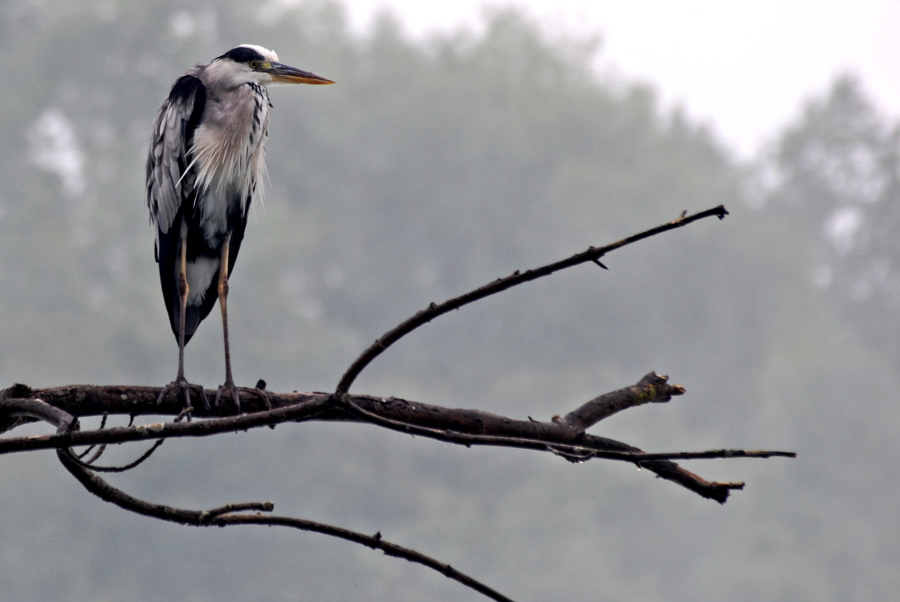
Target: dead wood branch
[593,254]
[459,426]
[562,436]
[224,516]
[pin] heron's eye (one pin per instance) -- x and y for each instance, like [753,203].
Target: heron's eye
[253,64]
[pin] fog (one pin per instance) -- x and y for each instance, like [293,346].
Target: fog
[433,166]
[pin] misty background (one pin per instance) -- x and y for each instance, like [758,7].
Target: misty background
[435,165]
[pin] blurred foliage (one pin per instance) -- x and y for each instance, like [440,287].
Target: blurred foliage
[432,167]
[837,173]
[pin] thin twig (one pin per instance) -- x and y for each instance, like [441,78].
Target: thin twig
[124,468]
[185,413]
[208,515]
[100,451]
[96,456]
[221,517]
[501,284]
[589,447]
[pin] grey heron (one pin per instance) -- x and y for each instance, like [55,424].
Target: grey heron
[204,170]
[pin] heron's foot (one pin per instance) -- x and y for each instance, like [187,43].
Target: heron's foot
[234,391]
[185,386]
[229,389]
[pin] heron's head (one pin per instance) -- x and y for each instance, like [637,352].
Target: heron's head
[249,63]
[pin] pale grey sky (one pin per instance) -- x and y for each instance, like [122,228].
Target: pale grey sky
[744,67]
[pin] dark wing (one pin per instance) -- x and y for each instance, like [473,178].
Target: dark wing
[169,158]
[170,182]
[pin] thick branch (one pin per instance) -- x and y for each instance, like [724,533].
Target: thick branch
[563,436]
[36,409]
[652,388]
[501,284]
[459,426]
[224,516]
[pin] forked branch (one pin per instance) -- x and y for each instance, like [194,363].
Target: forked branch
[563,436]
[225,516]
[593,254]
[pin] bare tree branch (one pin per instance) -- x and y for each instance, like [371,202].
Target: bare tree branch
[652,388]
[223,516]
[459,426]
[501,284]
[230,515]
[562,436]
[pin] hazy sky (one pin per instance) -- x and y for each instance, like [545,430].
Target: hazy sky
[743,66]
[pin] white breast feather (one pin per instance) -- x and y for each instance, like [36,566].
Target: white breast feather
[228,156]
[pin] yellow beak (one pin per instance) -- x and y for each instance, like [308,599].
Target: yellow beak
[291,75]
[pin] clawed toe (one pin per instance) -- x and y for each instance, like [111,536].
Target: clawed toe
[185,387]
[235,392]
[235,395]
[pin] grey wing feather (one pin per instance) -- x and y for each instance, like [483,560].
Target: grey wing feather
[170,148]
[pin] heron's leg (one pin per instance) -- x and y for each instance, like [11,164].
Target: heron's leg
[183,289]
[223,303]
